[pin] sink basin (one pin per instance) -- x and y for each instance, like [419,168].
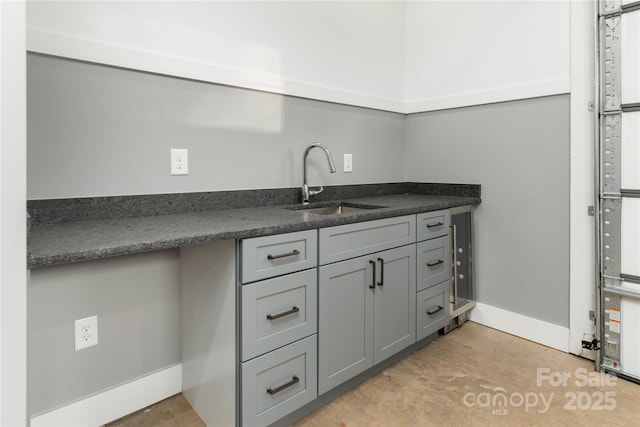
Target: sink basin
[333,208]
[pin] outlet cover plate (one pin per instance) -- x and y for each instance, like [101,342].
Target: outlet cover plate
[86,332]
[179,161]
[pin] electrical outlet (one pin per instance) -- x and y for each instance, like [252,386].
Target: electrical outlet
[86,332]
[179,161]
[348,163]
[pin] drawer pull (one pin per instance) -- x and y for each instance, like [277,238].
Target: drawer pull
[294,380]
[434,263]
[293,310]
[434,310]
[373,283]
[437,224]
[292,253]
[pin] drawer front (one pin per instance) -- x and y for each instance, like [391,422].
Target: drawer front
[434,262]
[353,240]
[278,311]
[433,224]
[433,309]
[279,382]
[270,256]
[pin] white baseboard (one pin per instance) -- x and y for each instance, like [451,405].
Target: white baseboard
[117,402]
[535,330]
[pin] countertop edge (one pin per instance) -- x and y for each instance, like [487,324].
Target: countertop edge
[48,257]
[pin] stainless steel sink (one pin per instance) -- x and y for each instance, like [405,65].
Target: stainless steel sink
[333,208]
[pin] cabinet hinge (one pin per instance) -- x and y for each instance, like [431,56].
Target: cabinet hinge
[592,315]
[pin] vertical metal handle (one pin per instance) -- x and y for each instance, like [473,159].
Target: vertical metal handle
[454,281]
[373,283]
[381,283]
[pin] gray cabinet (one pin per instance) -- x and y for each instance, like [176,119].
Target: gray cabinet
[434,262]
[278,311]
[278,325]
[293,329]
[433,224]
[270,256]
[434,272]
[353,240]
[345,324]
[279,382]
[366,313]
[433,309]
[394,302]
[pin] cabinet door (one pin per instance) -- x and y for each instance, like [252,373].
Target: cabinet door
[395,301]
[345,325]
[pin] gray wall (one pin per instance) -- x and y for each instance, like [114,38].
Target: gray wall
[519,152]
[137,300]
[101,131]
[97,131]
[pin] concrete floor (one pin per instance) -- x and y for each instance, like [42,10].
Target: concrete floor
[474,376]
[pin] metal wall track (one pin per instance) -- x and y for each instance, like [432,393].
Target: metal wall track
[611,195]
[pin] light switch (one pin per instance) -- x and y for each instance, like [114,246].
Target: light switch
[348,163]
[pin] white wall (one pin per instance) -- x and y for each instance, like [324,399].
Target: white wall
[463,53]
[582,166]
[347,52]
[13,269]
[396,56]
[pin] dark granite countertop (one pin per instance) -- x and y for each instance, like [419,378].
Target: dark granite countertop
[52,244]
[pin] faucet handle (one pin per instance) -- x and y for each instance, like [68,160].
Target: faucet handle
[316,190]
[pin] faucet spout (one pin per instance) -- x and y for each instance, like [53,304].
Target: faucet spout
[306,191]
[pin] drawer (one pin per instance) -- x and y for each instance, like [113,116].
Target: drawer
[433,309]
[434,262]
[353,240]
[278,311]
[270,256]
[279,382]
[433,224]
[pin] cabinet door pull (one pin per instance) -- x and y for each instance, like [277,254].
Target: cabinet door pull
[294,380]
[381,283]
[293,310]
[373,283]
[434,263]
[292,253]
[437,224]
[434,310]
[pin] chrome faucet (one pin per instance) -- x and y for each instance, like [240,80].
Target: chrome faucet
[306,191]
